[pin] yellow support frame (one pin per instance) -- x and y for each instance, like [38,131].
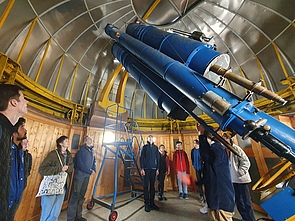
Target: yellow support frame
[73,82]
[42,61]
[121,89]
[86,90]
[58,73]
[6,12]
[280,59]
[151,9]
[103,99]
[26,40]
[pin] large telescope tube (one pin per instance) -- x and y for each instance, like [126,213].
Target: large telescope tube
[152,84]
[196,55]
[239,116]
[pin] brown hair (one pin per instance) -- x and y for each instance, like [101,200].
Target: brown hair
[8,92]
[60,140]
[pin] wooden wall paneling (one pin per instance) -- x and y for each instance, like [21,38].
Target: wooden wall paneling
[292,121]
[258,155]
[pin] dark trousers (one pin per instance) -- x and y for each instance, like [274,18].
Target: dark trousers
[199,174]
[77,198]
[161,179]
[243,201]
[12,211]
[149,186]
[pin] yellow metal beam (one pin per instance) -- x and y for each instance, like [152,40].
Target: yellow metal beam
[86,90]
[260,71]
[58,73]
[42,61]
[280,59]
[151,9]
[26,40]
[6,12]
[73,82]
[242,74]
[121,89]
[103,99]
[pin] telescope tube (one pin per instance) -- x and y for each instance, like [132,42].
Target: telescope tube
[240,115]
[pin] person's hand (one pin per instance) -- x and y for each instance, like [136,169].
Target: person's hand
[64,168]
[200,128]
[142,172]
[157,172]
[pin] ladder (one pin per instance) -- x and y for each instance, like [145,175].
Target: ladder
[122,141]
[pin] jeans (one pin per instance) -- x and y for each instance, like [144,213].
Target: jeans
[51,207]
[179,182]
[77,198]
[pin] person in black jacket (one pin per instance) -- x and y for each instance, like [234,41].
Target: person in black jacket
[85,166]
[12,106]
[27,159]
[164,169]
[149,163]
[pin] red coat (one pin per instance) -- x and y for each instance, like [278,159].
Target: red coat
[180,162]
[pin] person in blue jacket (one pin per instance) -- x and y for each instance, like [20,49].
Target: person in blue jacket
[17,173]
[198,164]
[219,190]
[149,163]
[85,166]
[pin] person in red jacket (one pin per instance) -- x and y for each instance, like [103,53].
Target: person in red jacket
[181,168]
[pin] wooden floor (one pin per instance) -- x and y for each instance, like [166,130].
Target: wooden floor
[174,209]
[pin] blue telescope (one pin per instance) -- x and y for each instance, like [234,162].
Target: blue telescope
[190,68]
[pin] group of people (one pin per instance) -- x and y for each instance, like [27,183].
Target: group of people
[222,177]
[84,164]
[16,162]
[225,178]
[154,163]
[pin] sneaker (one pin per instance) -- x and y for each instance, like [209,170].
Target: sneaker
[204,210]
[160,197]
[80,219]
[185,196]
[147,208]
[201,200]
[164,198]
[154,207]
